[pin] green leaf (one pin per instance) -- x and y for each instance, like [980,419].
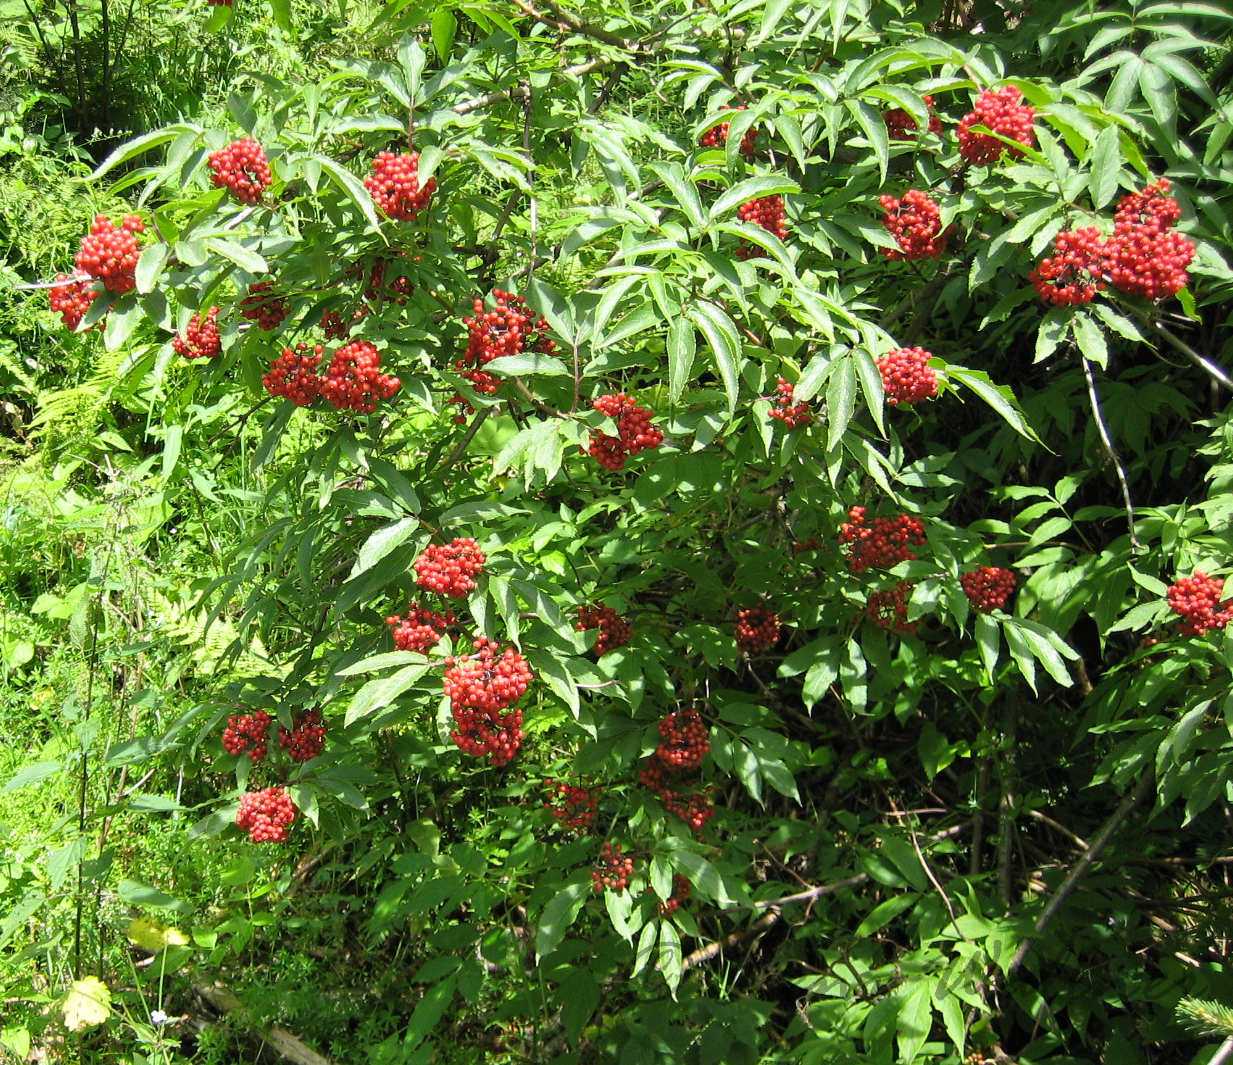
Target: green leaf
[139,894]
[682,347]
[874,127]
[999,397]
[1105,164]
[989,641]
[171,449]
[814,377]
[871,387]
[558,915]
[137,145]
[428,1012]
[246,260]
[381,543]
[683,191]
[670,955]
[915,1019]
[382,691]
[703,875]
[281,9]
[32,774]
[646,946]
[840,401]
[351,187]
[1091,339]
[885,912]
[527,365]
[725,344]
[150,266]
[751,189]
[580,1002]
[444,26]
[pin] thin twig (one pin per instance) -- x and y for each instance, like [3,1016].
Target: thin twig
[1103,429]
[1214,369]
[528,106]
[1129,801]
[1045,819]
[575,71]
[1006,821]
[480,417]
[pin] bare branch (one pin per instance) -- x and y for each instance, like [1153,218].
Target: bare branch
[1103,429]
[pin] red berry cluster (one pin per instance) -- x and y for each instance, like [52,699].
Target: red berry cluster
[354,381]
[248,734]
[262,306]
[635,432]
[1000,111]
[614,630]
[241,167]
[1074,272]
[378,291]
[574,807]
[394,185]
[1146,256]
[613,871]
[200,339]
[293,375]
[757,629]
[907,377]
[336,328]
[916,224]
[683,739]
[110,252]
[692,807]
[680,892]
[306,737]
[450,569]
[266,815]
[881,544]
[988,588]
[72,301]
[767,212]
[509,328]
[1197,599]
[419,629]
[481,687]
[888,608]
[902,127]
[717,136]
[793,415]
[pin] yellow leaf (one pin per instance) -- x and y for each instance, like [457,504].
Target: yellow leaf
[151,936]
[87,1003]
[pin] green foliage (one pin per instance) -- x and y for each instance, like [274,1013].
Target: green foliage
[886,876]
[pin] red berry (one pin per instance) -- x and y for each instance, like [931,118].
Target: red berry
[717,136]
[757,629]
[72,301]
[634,431]
[614,630]
[767,212]
[394,185]
[1000,111]
[901,126]
[109,252]
[481,686]
[293,375]
[1197,599]
[882,544]
[793,415]
[907,377]
[613,871]
[419,629]
[1145,256]
[888,608]
[262,306]
[248,734]
[266,815]
[692,807]
[576,807]
[242,168]
[988,588]
[354,381]
[1074,272]
[306,737]
[450,569]
[200,339]
[680,892]
[916,224]
[683,740]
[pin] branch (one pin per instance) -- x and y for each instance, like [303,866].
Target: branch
[289,1046]
[1214,369]
[1094,397]
[479,419]
[565,20]
[480,102]
[1101,840]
